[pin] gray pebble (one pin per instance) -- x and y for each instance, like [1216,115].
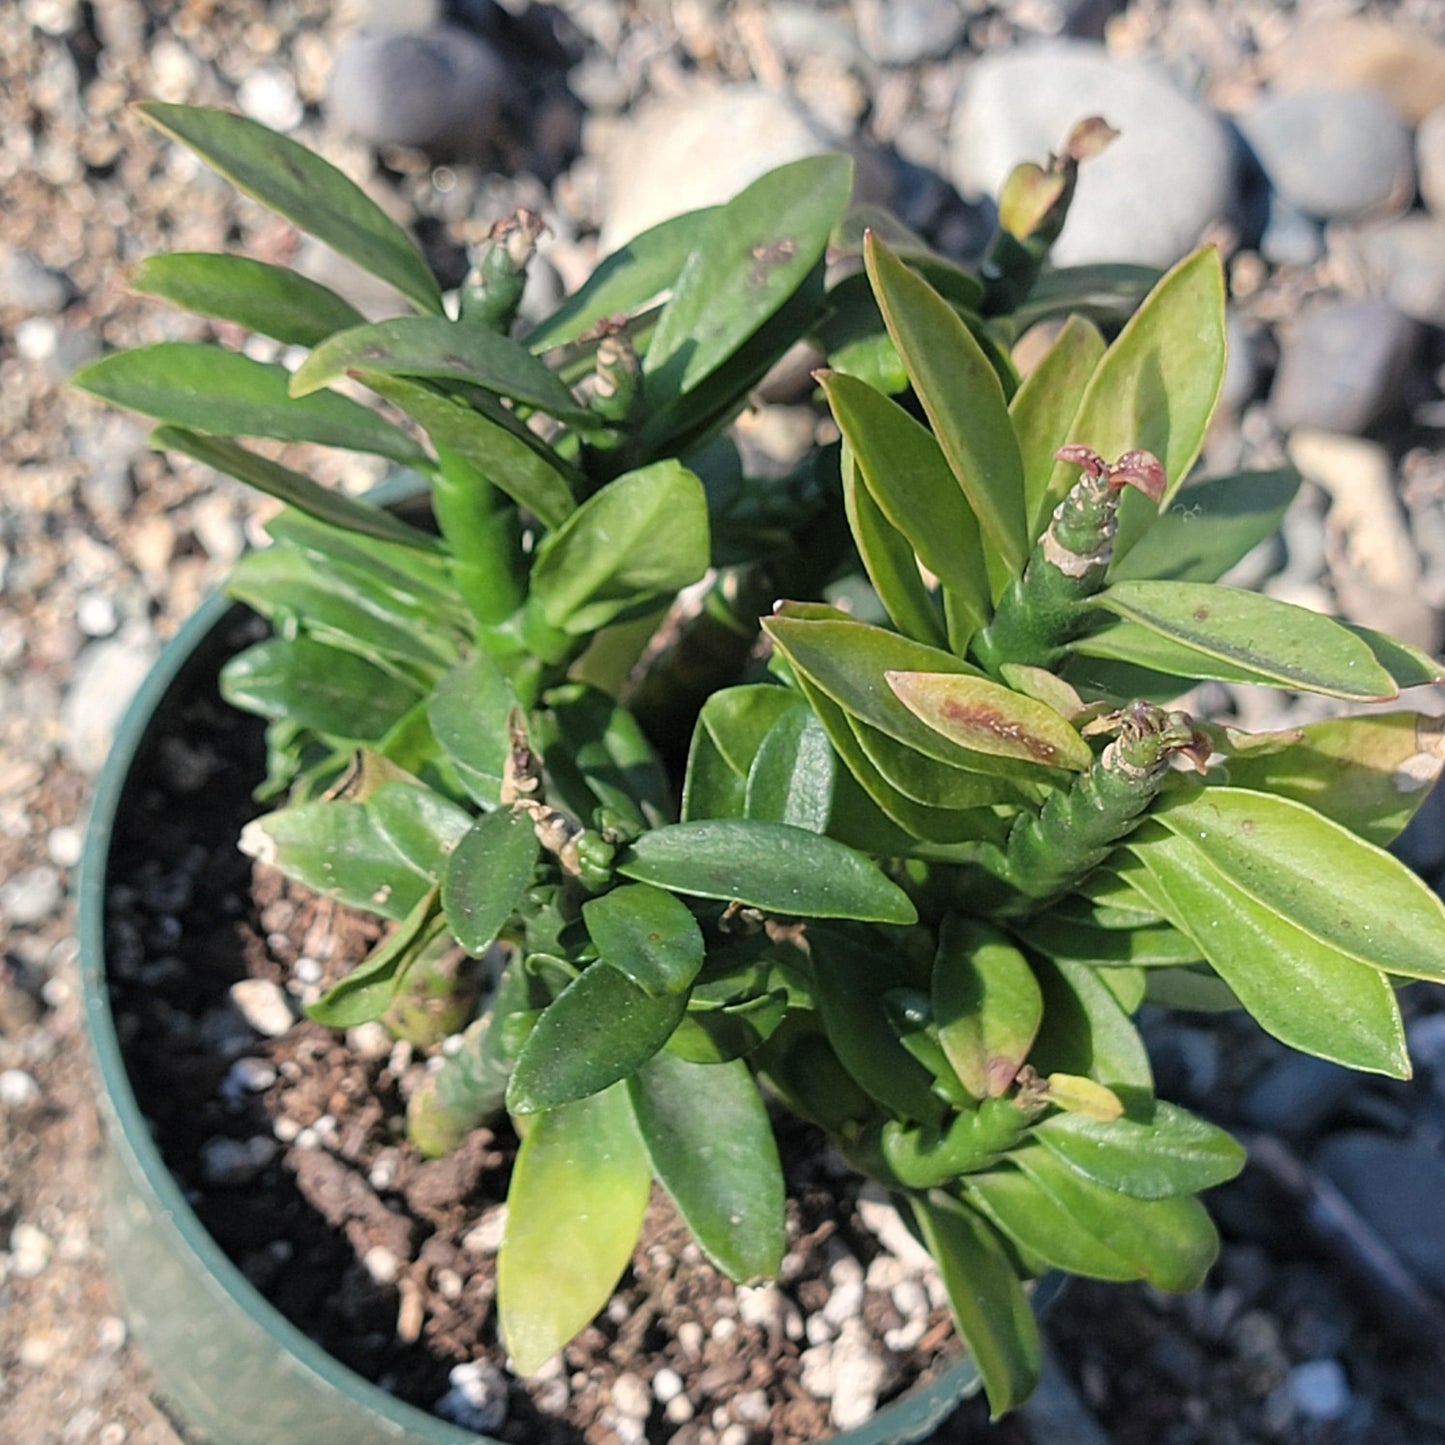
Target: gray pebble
[905,32]
[400,14]
[1241,367]
[1430,160]
[263,1005]
[29,288]
[31,897]
[95,614]
[1334,154]
[1341,366]
[666,1385]
[630,1397]
[269,95]
[1290,238]
[1405,259]
[441,92]
[229,1162]
[101,683]
[1397,1185]
[1296,1094]
[1148,198]
[478,1398]
[1319,1389]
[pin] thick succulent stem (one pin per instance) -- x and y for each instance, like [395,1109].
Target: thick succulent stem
[493,287]
[974,1139]
[1041,611]
[482,529]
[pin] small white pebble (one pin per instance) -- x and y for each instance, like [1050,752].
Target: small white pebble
[36,338]
[910,1298]
[401,1055]
[678,1410]
[735,1434]
[690,1336]
[1320,1389]
[845,1302]
[38,1350]
[64,845]
[327,1129]
[630,1397]
[906,1336]
[485,1236]
[246,1076]
[845,1270]
[381,1264]
[306,970]
[760,1305]
[666,1384]
[110,1334]
[751,1407]
[308,1139]
[618,1310]
[382,1174]
[885,1271]
[18,1090]
[477,1399]
[449,1284]
[724,1329]
[369,1040]
[263,1005]
[111,1433]
[817,1330]
[30,1251]
[286,1129]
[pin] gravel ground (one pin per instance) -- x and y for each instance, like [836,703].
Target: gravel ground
[1338,301]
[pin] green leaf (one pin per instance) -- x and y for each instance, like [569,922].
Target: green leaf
[367,991]
[339,849]
[1109,292]
[640,539]
[1347,894]
[849,981]
[1157,384]
[753,256]
[1409,666]
[1207,528]
[1370,774]
[711,788]
[1169,1242]
[739,718]
[612,754]
[718,1035]
[961,287]
[1306,994]
[988,1302]
[269,300]
[986,717]
[922,780]
[432,346]
[1169,1153]
[1043,411]
[961,393]
[223,393]
[1276,641]
[909,479]
[510,458]
[487,873]
[310,192]
[1086,1031]
[317,687]
[1187,989]
[1151,946]
[986,1004]
[648,935]
[630,277]
[468,714]
[296,490]
[574,1210]
[794,773]
[711,1145]
[890,563]
[569,1054]
[1033,1219]
[771,866]
[421,825]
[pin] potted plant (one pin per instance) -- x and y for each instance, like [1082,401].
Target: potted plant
[902,854]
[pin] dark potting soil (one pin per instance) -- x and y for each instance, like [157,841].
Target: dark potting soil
[292,1151]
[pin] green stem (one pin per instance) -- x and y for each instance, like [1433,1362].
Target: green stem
[974,1139]
[483,532]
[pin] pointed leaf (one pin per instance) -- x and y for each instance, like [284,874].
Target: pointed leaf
[909,479]
[488,871]
[296,490]
[1306,994]
[223,393]
[317,687]
[986,1004]
[766,865]
[1370,774]
[753,256]
[988,1302]
[1034,1219]
[1279,642]
[711,1145]
[639,540]
[421,825]
[1156,387]
[961,394]
[468,713]
[921,779]
[269,300]
[432,346]
[568,1056]
[1149,946]
[574,1210]
[648,935]
[985,717]
[310,192]
[890,562]
[1079,1095]
[793,775]
[1348,894]
[1206,529]
[1086,1031]
[631,276]
[739,718]
[1043,411]
[1170,1242]
[1409,666]
[367,991]
[1171,1152]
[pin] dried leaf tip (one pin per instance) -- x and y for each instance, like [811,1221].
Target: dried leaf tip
[1136,468]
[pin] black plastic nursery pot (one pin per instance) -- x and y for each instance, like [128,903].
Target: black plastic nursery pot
[227,1363]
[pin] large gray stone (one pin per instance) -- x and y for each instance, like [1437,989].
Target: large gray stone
[440,92]
[1398,1186]
[106,675]
[1148,198]
[1335,154]
[1341,366]
[1405,259]
[905,32]
[701,149]
[1430,161]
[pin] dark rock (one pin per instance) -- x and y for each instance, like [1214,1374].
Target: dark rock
[1296,1094]
[1341,366]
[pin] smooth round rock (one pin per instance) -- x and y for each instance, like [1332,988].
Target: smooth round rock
[1290,238]
[1341,366]
[440,92]
[1334,154]
[699,150]
[905,32]
[1319,1389]
[1148,198]
[1430,161]
[1406,259]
